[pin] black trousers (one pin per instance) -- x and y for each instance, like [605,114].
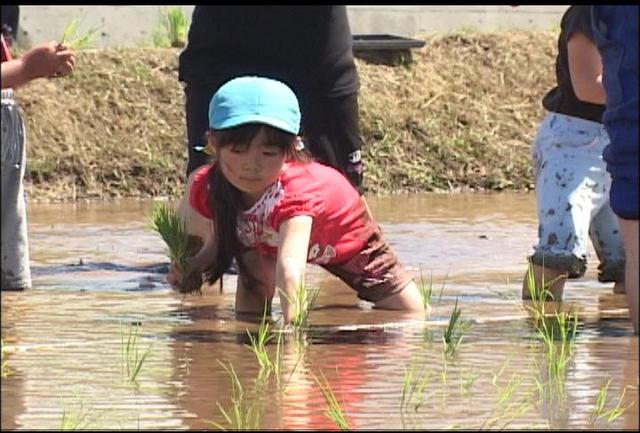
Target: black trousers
[330,128]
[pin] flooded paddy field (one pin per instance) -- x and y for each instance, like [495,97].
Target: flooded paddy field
[102,342]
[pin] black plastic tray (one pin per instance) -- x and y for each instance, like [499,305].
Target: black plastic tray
[384,42]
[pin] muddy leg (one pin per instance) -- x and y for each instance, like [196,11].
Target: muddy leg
[542,277]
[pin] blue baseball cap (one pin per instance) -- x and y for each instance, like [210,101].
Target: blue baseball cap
[255,100]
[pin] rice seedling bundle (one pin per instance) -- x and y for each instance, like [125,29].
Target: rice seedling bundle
[172,230]
[75,40]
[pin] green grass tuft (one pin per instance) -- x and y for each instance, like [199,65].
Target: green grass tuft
[75,40]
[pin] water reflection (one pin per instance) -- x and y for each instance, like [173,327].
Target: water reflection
[96,266]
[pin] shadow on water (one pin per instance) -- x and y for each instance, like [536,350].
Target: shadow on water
[99,281]
[81,266]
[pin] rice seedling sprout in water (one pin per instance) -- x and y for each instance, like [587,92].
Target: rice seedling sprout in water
[259,344]
[557,332]
[426,292]
[303,300]
[335,410]
[79,419]
[244,414]
[454,333]
[612,414]
[131,360]
[466,382]
[414,383]
[558,336]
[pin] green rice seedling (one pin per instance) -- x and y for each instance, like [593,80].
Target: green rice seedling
[497,375]
[512,411]
[335,410]
[74,420]
[303,300]
[558,336]
[540,293]
[80,418]
[171,228]
[413,383]
[507,392]
[455,331]
[279,362]
[426,292]
[131,360]
[243,414]
[557,332]
[443,371]
[612,414]
[509,406]
[75,40]
[259,345]
[467,381]
[173,28]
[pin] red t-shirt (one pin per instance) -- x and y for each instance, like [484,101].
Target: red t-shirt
[340,227]
[6,53]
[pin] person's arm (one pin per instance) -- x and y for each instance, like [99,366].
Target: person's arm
[199,227]
[292,260]
[45,60]
[585,68]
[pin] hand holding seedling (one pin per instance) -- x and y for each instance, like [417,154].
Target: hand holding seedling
[187,280]
[49,59]
[184,270]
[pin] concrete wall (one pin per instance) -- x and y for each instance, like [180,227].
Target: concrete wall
[133,25]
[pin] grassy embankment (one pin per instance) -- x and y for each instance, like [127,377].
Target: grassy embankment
[461,116]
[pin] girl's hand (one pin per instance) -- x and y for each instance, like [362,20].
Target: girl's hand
[185,280]
[67,59]
[175,275]
[48,59]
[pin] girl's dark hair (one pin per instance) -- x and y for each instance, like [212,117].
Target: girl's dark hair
[226,200]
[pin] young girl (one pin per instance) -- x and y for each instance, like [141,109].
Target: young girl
[264,203]
[49,59]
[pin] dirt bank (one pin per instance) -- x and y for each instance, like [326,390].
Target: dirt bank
[460,116]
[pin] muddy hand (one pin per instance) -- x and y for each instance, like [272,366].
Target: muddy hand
[175,275]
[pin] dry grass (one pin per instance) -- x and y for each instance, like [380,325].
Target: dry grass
[461,116]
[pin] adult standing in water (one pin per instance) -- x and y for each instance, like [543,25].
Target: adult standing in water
[572,184]
[307,47]
[615,30]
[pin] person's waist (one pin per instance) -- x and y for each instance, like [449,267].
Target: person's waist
[575,123]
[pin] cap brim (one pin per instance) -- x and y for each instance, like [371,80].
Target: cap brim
[256,118]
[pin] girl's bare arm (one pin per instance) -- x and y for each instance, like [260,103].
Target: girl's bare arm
[292,260]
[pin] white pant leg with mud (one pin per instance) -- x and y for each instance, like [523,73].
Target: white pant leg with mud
[16,273]
[572,194]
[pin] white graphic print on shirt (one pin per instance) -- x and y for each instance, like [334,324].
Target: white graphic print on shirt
[252,227]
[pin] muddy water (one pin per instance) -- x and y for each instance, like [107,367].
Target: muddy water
[99,280]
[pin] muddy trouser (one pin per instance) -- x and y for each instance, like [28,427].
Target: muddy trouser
[572,194]
[15,248]
[330,127]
